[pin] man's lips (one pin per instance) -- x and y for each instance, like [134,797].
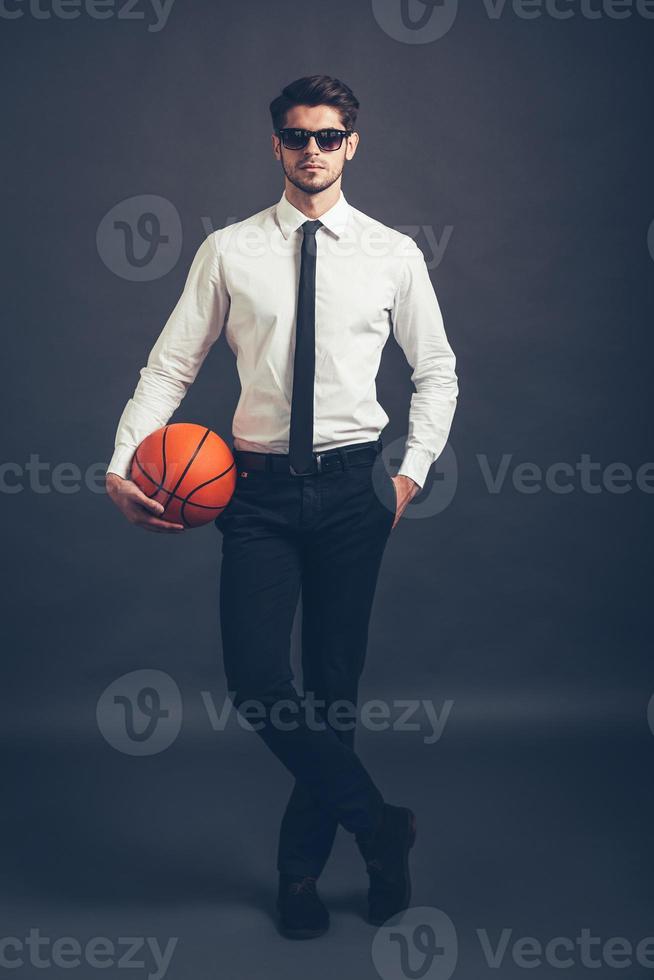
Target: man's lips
[311,166]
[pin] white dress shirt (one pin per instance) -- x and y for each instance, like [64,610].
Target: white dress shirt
[244,280]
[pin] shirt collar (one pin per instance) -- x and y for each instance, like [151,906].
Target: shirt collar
[289,218]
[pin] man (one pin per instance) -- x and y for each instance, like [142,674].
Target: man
[306,291]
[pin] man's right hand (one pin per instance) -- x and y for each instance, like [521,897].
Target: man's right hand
[138,508]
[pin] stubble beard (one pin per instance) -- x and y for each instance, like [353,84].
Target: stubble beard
[311,185]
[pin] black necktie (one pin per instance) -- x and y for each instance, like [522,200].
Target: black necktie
[300,449]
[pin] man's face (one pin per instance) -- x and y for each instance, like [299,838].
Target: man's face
[311,169]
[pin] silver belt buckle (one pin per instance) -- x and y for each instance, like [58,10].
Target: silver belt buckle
[318,468]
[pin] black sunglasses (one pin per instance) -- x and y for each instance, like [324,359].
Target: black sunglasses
[327,139]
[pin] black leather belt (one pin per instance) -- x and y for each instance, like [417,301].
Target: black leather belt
[330,459]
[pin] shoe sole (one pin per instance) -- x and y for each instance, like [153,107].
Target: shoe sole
[302,933]
[299,933]
[410,841]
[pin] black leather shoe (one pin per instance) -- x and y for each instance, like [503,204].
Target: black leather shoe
[387,863]
[301,914]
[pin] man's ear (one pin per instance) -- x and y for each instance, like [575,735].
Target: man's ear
[352,143]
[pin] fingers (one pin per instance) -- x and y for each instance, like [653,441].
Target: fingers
[150,504]
[139,509]
[151,523]
[130,493]
[161,527]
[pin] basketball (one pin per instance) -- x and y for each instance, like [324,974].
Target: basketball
[187,468]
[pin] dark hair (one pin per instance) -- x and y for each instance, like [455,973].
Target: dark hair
[316,90]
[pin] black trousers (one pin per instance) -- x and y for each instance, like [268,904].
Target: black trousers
[324,535]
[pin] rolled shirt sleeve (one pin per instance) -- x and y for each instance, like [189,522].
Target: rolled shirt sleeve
[419,330]
[177,356]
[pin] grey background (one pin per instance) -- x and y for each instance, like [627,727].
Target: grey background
[530,611]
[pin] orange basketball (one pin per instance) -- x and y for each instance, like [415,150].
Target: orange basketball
[187,468]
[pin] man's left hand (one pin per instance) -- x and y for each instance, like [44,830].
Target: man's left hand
[405,490]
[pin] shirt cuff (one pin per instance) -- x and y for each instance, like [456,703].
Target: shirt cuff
[121,462]
[416,464]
